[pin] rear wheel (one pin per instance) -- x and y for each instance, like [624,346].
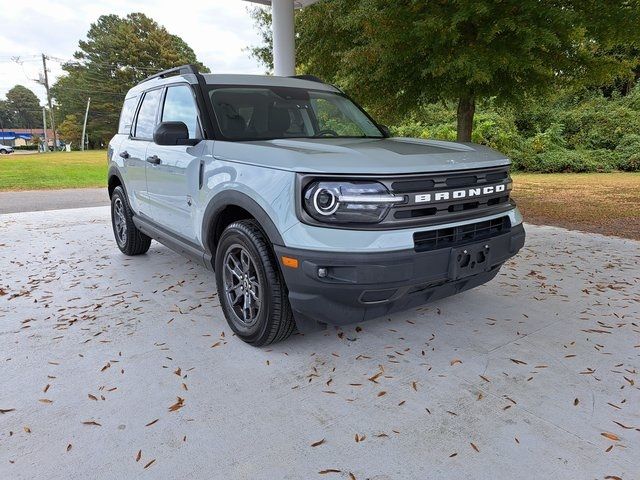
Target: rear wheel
[130,240]
[251,289]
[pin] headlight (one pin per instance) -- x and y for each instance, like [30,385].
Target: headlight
[348,202]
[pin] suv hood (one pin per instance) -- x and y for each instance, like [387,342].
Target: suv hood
[360,155]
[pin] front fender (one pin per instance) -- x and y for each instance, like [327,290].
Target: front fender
[227,198]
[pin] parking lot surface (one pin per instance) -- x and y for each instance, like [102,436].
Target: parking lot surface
[120,368]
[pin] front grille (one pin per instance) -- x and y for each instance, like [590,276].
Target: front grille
[460,235]
[415,212]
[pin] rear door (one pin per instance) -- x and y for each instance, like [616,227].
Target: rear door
[173,178]
[133,151]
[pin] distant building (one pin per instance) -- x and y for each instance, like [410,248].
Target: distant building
[17,137]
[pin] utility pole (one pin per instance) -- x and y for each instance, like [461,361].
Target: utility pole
[46,86]
[84,125]
[44,127]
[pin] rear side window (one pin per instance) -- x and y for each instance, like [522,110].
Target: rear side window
[126,117]
[146,121]
[180,106]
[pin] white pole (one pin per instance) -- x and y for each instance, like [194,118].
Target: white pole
[84,125]
[284,55]
[44,131]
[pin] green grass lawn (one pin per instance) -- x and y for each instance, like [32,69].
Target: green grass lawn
[53,170]
[607,203]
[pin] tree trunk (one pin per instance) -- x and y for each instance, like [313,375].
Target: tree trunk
[466,109]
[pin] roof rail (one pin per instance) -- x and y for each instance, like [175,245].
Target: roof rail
[181,70]
[311,78]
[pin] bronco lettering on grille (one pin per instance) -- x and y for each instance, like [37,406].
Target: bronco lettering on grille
[458,194]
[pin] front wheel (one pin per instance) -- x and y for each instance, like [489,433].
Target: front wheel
[130,240]
[251,289]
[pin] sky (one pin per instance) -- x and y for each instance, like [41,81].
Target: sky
[217,30]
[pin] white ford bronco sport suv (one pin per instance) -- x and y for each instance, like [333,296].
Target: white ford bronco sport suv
[304,207]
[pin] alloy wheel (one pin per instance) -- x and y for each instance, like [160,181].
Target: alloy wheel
[242,286]
[119,221]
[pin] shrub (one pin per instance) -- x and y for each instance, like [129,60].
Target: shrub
[569,132]
[631,164]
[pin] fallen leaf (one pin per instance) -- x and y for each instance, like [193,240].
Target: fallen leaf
[69,447]
[474,447]
[318,443]
[139,455]
[6,410]
[152,422]
[382,393]
[91,422]
[150,463]
[455,361]
[45,400]
[610,436]
[518,362]
[92,397]
[621,425]
[576,402]
[178,405]
[329,470]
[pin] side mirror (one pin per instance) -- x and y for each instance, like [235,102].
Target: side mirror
[385,130]
[173,133]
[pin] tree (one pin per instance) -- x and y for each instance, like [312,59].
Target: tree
[397,55]
[118,53]
[6,115]
[24,108]
[70,130]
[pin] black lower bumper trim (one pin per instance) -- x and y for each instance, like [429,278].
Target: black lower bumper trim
[342,288]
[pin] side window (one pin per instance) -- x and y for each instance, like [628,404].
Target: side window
[180,106]
[146,121]
[126,117]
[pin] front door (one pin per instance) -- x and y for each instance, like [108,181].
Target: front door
[173,172]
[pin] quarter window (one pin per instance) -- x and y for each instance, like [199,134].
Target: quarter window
[126,117]
[147,115]
[180,106]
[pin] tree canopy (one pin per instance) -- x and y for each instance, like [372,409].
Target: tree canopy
[395,56]
[21,109]
[117,53]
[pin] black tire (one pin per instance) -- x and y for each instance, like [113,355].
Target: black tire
[3,152]
[129,239]
[273,320]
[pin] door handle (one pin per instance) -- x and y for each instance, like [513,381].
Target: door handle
[154,159]
[124,154]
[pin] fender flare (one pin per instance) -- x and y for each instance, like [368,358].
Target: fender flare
[115,172]
[228,198]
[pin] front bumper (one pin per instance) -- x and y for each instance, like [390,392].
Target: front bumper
[362,286]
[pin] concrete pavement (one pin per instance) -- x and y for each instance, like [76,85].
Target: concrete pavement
[111,364]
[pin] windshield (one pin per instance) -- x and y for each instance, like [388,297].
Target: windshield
[261,113]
